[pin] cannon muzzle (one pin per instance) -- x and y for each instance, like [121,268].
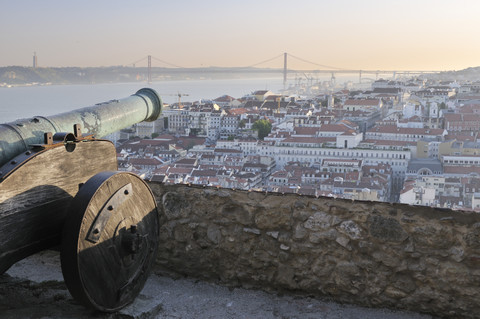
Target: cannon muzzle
[98,120]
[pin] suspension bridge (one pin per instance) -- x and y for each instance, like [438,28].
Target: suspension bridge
[317,69]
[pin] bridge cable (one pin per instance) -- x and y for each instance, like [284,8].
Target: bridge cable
[144,58]
[170,64]
[268,60]
[321,65]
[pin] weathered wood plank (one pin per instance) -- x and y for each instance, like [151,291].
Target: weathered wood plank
[35,198]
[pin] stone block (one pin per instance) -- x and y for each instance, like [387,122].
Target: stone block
[273,219]
[214,234]
[175,205]
[351,229]
[299,232]
[236,212]
[343,241]
[387,229]
[321,221]
[252,231]
[318,237]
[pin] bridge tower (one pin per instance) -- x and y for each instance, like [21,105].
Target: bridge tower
[35,61]
[284,70]
[149,69]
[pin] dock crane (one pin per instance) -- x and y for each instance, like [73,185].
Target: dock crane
[180,106]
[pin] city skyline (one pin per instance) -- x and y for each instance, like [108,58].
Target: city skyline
[388,35]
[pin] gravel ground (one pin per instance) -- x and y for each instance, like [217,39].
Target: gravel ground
[34,288]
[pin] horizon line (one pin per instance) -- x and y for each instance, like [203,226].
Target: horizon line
[356,70]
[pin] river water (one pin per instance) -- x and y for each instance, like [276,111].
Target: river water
[28,101]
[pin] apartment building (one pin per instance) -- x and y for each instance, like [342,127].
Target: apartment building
[395,133]
[363,105]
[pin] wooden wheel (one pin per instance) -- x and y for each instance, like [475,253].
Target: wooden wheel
[110,240]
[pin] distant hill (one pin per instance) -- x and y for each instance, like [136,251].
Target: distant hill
[470,74]
[18,75]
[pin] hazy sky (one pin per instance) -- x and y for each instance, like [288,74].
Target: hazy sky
[351,34]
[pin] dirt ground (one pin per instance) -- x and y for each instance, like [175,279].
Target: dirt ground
[34,288]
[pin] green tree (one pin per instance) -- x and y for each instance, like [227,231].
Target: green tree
[264,127]
[155,135]
[242,123]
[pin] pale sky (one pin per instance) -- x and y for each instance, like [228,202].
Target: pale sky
[349,34]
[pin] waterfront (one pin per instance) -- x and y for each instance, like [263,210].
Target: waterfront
[27,101]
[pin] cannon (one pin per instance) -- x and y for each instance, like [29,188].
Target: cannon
[60,188]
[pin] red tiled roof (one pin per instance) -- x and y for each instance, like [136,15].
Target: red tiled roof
[405,130]
[144,161]
[260,92]
[204,173]
[226,150]
[462,117]
[238,111]
[333,128]
[186,161]
[464,170]
[312,140]
[224,98]
[453,117]
[390,142]
[280,174]
[362,102]
[305,130]
[179,170]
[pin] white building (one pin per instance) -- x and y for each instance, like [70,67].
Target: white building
[178,120]
[412,108]
[300,151]
[476,202]
[146,129]
[461,160]
[214,122]
[414,195]
[395,133]
[229,124]
[248,146]
[363,105]
[349,139]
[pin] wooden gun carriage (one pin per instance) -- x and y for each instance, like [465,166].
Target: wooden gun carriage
[60,186]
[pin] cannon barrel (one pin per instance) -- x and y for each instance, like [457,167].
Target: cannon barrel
[99,120]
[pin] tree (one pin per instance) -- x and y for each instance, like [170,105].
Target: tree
[264,127]
[155,135]
[242,123]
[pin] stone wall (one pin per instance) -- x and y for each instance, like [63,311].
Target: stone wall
[366,253]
